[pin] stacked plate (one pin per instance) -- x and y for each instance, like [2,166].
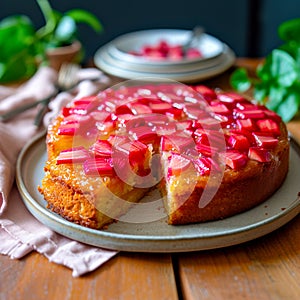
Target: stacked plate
[115,58]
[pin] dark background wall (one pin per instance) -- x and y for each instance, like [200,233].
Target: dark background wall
[249,27]
[269,16]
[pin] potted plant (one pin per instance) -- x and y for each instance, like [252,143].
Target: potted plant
[51,44]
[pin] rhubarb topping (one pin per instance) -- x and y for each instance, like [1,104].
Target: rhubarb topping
[265,141]
[135,153]
[178,143]
[143,134]
[259,154]
[206,92]
[102,148]
[177,164]
[268,125]
[98,166]
[195,124]
[235,160]
[238,142]
[68,129]
[72,156]
[203,165]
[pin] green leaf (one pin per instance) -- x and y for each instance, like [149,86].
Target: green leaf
[289,107]
[22,31]
[261,91]
[20,67]
[239,80]
[16,20]
[282,67]
[263,70]
[278,77]
[66,30]
[292,48]
[82,16]
[290,30]
[2,69]
[18,48]
[276,96]
[51,17]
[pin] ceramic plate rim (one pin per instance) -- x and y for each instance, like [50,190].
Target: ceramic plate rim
[104,55]
[146,243]
[200,74]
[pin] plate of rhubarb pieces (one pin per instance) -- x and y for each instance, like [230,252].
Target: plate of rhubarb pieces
[161,53]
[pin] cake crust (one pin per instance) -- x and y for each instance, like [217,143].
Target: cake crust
[234,195]
[82,182]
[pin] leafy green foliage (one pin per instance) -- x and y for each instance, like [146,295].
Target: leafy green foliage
[21,55]
[16,54]
[240,80]
[81,16]
[277,81]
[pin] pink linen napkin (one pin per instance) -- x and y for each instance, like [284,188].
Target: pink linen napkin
[20,232]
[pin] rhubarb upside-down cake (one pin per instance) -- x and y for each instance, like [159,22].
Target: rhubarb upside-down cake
[211,154]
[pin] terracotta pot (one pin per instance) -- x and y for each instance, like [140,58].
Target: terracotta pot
[57,56]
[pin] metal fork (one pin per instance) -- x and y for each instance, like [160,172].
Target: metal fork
[66,80]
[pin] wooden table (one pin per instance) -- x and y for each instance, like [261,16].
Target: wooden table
[265,268]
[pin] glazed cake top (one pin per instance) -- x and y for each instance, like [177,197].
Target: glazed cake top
[194,124]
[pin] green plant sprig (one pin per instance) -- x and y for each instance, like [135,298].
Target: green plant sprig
[21,55]
[277,81]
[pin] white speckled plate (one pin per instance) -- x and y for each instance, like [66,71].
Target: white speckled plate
[158,236]
[114,58]
[120,47]
[187,74]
